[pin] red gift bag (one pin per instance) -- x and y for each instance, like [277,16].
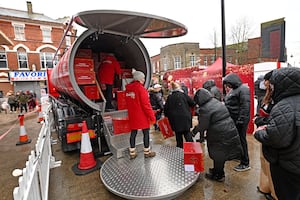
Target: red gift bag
[165,127]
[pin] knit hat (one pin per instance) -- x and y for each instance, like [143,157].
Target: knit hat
[138,75]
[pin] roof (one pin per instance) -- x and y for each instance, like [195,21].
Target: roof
[25,15]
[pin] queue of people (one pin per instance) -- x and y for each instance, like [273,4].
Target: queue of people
[225,121]
[20,101]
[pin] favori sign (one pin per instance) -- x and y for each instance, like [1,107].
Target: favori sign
[28,76]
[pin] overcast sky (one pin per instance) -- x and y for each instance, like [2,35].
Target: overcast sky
[200,17]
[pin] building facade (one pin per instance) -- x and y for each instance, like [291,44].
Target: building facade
[33,40]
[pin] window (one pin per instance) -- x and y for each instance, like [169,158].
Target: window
[192,60]
[205,60]
[68,39]
[165,64]
[212,59]
[46,31]
[19,31]
[22,59]
[177,62]
[3,60]
[47,60]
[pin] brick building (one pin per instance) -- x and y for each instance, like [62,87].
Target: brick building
[268,48]
[29,41]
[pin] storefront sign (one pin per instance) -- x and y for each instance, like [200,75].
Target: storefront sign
[28,76]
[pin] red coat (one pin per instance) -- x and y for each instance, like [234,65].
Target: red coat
[140,112]
[107,70]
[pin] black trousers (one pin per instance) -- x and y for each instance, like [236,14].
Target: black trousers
[108,96]
[242,129]
[286,184]
[179,137]
[146,138]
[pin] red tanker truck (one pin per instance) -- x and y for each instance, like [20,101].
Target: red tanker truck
[73,83]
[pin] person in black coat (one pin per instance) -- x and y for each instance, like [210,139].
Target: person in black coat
[237,101]
[178,110]
[210,85]
[259,92]
[157,102]
[223,142]
[280,137]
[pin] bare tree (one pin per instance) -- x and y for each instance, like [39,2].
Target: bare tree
[214,41]
[240,32]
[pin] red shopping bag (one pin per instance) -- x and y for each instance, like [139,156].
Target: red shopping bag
[165,127]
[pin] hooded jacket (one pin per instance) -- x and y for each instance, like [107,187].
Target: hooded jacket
[178,110]
[281,138]
[222,135]
[210,85]
[237,100]
[140,112]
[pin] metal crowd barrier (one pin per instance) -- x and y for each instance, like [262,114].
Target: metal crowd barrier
[34,182]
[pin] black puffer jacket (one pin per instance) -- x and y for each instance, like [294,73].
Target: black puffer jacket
[222,135]
[210,85]
[237,100]
[178,109]
[281,138]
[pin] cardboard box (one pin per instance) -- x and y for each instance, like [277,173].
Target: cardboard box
[193,157]
[126,73]
[91,91]
[165,127]
[121,101]
[83,64]
[84,53]
[121,125]
[85,77]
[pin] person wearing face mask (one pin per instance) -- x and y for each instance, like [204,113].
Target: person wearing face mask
[265,186]
[280,136]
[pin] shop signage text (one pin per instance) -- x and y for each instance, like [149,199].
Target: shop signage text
[28,76]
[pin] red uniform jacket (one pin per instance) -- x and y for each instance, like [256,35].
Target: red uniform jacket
[140,112]
[107,70]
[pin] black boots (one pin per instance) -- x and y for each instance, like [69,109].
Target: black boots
[220,177]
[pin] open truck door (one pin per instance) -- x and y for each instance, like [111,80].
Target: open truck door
[75,75]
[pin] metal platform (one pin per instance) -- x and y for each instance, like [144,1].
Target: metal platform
[119,143]
[160,177]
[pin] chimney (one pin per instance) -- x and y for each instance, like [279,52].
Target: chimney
[29,7]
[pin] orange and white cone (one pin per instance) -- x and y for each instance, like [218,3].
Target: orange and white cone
[87,161]
[23,139]
[41,117]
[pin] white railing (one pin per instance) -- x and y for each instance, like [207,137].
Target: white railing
[34,182]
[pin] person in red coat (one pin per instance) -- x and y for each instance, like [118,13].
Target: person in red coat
[140,113]
[106,74]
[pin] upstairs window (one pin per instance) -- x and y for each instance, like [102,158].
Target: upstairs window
[192,60]
[22,60]
[3,60]
[19,31]
[47,60]
[46,32]
[177,62]
[68,39]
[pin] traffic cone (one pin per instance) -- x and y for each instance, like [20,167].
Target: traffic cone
[87,161]
[41,117]
[23,139]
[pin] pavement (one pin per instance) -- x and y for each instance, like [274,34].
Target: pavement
[64,184]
